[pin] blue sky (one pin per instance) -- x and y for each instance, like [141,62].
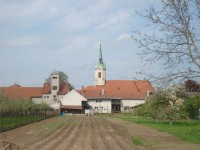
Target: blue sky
[38,37]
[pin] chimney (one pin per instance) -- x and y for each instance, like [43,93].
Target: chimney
[102,92]
[82,92]
[148,93]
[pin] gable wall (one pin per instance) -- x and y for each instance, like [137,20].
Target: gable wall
[130,103]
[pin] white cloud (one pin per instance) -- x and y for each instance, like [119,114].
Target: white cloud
[32,7]
[21,41]
[123,37]
[113,19]
[65,34]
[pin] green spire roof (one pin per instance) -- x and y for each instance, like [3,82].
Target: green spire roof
[100,55]
[100,63]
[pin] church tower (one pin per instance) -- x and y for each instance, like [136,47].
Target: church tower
[100,70]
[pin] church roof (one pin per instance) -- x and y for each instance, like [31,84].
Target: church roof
[119,89]
[103,66]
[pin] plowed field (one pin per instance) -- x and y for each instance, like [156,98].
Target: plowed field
[90,133]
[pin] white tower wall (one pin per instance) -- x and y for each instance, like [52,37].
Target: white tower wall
[55,85]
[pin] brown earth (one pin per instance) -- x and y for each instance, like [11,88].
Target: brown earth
[91,133]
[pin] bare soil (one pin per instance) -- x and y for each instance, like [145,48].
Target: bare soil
[91,133]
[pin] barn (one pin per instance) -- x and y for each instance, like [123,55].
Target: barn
[73,103]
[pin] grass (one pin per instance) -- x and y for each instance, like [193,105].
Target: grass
[188,130]
[137,141]
[140,141]
[8,122]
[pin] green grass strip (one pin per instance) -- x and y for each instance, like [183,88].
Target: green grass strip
[188,130]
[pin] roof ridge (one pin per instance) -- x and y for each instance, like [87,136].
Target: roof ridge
[136,86]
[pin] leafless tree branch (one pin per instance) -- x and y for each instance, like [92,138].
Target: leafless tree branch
[175,40]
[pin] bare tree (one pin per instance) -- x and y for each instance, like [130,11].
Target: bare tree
[174,41]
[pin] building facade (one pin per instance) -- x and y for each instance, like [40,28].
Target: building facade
[109,96]
[50,93]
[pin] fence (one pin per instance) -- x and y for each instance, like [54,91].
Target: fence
[13,119]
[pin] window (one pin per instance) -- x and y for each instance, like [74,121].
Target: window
[98,101]
[46,97]
[126,107]
[54,77]
[54,87]
[99,75]
[54,96]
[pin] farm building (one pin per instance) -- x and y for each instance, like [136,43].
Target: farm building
[108,96]
[50,93]
[117,95]
[105,96]
[73,102]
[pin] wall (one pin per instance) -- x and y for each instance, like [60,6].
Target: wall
[55,82]
[71,101]
[41,100]
[60,97]
[106,104]
[37,100]
[100,81]
[130,103]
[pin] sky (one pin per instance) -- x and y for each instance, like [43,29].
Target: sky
[38,37]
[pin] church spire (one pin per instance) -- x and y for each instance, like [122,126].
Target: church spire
[100,70]
[100,63]
[100,56]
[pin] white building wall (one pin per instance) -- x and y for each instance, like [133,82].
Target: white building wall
[102,80]
[60,96]
[126,104]
[49,102]
[71,102]
[37,100]
[101,106]
[44,99]
[48,99]
[55,83]
[72,98]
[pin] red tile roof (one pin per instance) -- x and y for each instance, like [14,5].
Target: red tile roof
[64,88]
[119,89]
[16,91]
[26,93]
[46,88]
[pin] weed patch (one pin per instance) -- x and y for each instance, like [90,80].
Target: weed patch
[137,141]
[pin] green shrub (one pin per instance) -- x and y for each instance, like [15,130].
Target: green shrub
[192,107]
[8,104]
